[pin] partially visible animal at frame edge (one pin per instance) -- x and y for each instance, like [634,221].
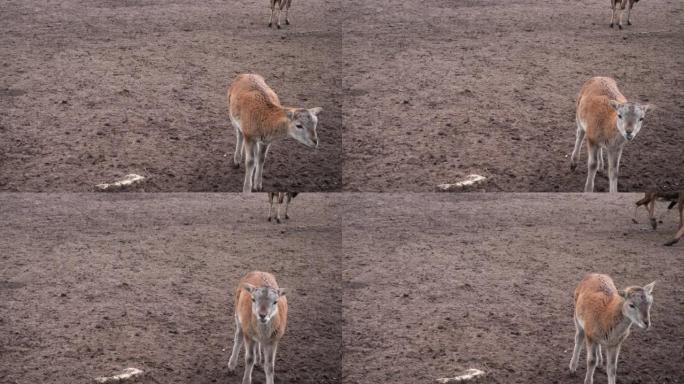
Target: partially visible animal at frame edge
[280,197]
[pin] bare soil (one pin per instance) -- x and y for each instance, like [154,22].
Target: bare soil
[438,283]
[439,89]
[415,93]
[93,90]
[92,285]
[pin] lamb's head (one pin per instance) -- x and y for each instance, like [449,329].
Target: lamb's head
[302,125]
[637,305]
[630,117]
[264,301]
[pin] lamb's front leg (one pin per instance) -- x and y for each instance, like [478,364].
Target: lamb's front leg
[612,171]
[611,363]
[250,148]
[613,6]
[250,349]
[269,363]
[237,343]
[579,339]
[592,166]
[630,3]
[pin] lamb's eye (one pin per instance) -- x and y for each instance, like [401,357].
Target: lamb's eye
[619,116]
[275,302]
[253,300]
[299,126]
[632,306]
[641,119]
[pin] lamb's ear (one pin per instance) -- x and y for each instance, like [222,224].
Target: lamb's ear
[622,293]
[649,287]
[316,111]
[248,287]
[614,104]
[290,114]
[281,292]
[647,107]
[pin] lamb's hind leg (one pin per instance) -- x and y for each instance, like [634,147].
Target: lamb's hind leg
[239,148]
[579,137]
[250,153]
[630,4]
[579,339]
[591,362]
[262,150]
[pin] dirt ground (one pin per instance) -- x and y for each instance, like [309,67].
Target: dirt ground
[90,286]
[93,90]
[415,93]
[439,89]
[435,284]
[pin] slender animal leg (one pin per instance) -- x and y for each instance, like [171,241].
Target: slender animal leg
[613,4]
[278,12]
[591,363]
[287,204]
[622,13]
[613,170]
[599,356]
[650,207]
[679,233]
[237,343]
[611,364]
[578,146]
[592,166]
[271,195]
[287,12]
[250,149]
[269,364]
[601,165]
[262,150]
[239,138]
[280,204]
[260,158]
[630,3]
[579,339]
[270,20]
[249,360]
[259,356]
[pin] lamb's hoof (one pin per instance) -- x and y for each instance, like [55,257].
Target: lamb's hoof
[278,26]
[573,166]
[619,26]
[671,242]
[654,224]
[236,165]
[278,221]
[287,22]
[629,23]
[269,218]
[611,25]
[287,217]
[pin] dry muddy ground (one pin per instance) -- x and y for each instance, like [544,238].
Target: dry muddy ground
[415,93]
[93,90]
[90,286]
[439,89]
[436,284]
